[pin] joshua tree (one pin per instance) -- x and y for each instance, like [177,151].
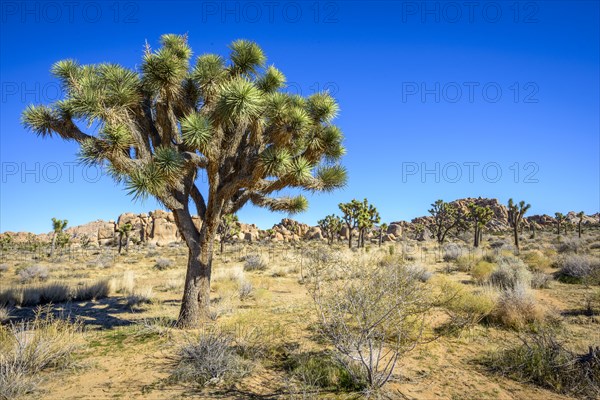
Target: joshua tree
[480,216]
[351,211]
[580,215]
[228,227]
[58,226]
[331,225]
[159,126]
[124,232]
[515,217]
[419,232]
[382,228]
[560,218]
[446,217]
[367,218]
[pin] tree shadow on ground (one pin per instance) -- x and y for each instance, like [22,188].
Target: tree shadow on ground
[105,313]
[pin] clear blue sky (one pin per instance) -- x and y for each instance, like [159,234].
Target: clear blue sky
[497,87]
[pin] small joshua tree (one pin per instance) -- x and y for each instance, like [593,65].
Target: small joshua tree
[367,218]
[331,226]
[228,228]
[515,218]
[446,217]
[159,126]
[560,218]
[580,215]
[124,231]
[382,229]
[351,211]
[479,216]
[58,226]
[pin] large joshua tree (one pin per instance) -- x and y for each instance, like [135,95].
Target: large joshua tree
[445,217]
[330,226]
[560,218]
[580,215]
[159,126]
[515,217]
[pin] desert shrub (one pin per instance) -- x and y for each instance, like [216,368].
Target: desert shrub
[544,361]
[163,263]
[540,280]
[4,314]
[210,358]
[314,371]
[368,314]
[94,290]
[594,245]
[28,348]
[579,268]
[536,260]
[245,290]
[568,245]
[33,273]
[466,262]
[127,282]
[418,272]
[516,308]
[482,271]
[255,262]
[138,297]
[466,307]
[511,271]
[3,268]
[452,252]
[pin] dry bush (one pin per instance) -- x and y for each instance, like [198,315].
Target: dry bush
[517,308]
[33,273]
[209,359]
[245,290]
[579,269]
[371,315]
[540,280]
[452,251]
[311,372]
[55,292]
[30,347]
[163,263]
[568,245]
[3,268]
[126,284]
[544,361]
[511,272]
[482,270]
[140,296]
[255,262]
[465,263]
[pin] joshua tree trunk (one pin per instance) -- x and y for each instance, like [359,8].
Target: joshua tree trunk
[222,243]
[579,229]
[120,242]
[350,238]
[516,234]
[127,242]
[53,246]
[380,236]
[195,304]
[558,227]
[476,239]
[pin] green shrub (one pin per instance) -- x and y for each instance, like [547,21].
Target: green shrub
[482,271]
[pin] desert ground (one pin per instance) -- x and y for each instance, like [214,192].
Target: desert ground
[123,343]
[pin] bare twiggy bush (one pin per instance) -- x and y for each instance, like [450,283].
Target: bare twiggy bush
[255,262]
[209,359]
[30,347]
[540,280]
[33,273]
[245,290]
[372,315]
[3,268]
[127,282]
[140,296]
[569,245]
[4,314]
[579,269]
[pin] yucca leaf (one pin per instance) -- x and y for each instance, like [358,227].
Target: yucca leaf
[196,131]
[246,56]
[271,81]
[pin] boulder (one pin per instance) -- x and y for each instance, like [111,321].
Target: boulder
[314,233]
[395,229]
